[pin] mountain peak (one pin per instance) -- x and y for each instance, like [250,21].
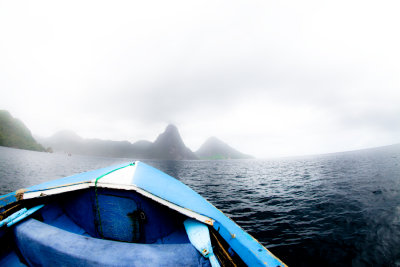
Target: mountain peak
[170,134]
[214,148]
[171,128]
[66,135]
[169,145]
[214,140]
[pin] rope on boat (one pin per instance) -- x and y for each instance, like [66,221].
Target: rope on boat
[97,199]
[19,194]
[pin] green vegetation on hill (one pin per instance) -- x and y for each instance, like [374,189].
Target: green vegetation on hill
[13,133]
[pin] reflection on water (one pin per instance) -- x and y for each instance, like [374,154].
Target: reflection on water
[340,209]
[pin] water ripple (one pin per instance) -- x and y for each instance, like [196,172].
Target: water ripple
[332,210]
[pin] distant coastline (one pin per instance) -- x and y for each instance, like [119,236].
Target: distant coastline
[168,145]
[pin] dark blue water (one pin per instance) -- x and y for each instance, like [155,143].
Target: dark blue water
[331,210]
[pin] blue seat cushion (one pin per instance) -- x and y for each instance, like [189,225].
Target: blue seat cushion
[45,245]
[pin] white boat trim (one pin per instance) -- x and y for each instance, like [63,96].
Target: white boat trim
[57,190]
[122,175]
[86,185]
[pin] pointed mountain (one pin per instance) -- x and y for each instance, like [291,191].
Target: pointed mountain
[169,145]
[214,148]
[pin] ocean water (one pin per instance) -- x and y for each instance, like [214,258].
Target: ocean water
[330,210]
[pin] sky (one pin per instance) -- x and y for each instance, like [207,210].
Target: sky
[270,78]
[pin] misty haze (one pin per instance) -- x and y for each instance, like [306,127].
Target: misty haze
[284,115]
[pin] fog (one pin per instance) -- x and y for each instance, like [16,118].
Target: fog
[270,78]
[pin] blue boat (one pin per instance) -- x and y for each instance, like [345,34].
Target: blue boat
[126,215]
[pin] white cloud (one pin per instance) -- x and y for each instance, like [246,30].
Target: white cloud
[269,77]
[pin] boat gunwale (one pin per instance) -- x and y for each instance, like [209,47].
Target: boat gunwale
[246,246]
[90,184]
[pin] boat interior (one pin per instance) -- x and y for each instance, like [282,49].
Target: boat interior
[105,227]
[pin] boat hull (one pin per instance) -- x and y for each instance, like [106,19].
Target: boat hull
[116,198]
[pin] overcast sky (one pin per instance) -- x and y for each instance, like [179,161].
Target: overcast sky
[270,78]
